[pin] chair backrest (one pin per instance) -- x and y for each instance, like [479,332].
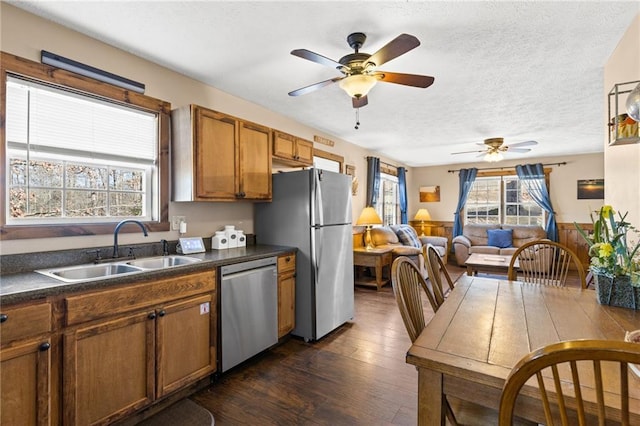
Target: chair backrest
[545,262]
[435,270]
[407,283]
[561,394]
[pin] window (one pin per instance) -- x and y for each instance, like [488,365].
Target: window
[327,161]
[73,158]
[388,205]
[502,199]
[78,155]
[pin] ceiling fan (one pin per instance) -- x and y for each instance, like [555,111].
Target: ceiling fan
[360,70]
[494,148]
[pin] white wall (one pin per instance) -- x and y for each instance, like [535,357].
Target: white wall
[562,182]
[622,163]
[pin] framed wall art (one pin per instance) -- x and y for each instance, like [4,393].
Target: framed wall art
[429,194]
[351,171]
[591,189]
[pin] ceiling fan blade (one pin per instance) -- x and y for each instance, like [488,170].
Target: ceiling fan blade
[313,87]
[359,102]
[525,143]
[396,47]
[511,149]
[315,57]
[469,152]
[406,79]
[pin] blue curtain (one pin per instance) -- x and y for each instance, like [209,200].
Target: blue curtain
[402,189]
[467,176]
[532,175]
[373,180]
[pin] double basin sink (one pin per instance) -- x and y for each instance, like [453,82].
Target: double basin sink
[94,272]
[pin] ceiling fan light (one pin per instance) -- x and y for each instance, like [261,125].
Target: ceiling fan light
[358,85]
[493,157]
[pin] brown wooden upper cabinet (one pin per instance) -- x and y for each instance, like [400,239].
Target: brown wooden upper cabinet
[218,157]
[292,150]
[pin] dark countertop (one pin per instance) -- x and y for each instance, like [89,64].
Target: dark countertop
[25,286]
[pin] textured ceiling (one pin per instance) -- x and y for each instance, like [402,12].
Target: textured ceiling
[518,70]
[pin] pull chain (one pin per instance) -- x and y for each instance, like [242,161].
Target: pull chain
[357,118]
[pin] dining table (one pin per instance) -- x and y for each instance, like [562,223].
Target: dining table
[486,325]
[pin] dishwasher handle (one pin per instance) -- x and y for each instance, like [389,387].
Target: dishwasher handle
[248,266]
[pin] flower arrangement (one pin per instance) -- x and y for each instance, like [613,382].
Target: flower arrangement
[612,252]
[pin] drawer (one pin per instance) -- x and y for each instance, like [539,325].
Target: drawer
[25,321]
[105,303]
[286,263]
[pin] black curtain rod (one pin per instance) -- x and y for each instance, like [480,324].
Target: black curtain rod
[511,167]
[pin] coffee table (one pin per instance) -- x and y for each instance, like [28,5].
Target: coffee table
[479,262]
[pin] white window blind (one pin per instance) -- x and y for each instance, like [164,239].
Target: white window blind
[66,121]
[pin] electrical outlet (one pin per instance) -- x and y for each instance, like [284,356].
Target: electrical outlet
[175,222]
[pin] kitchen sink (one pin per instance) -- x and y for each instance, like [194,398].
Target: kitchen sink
[162,262]
[93,272]
[89,272]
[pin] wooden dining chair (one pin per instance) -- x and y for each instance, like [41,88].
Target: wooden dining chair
[407,283]
[565,396]
[545,262]
[435,270]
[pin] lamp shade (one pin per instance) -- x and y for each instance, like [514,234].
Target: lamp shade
[358,85]
[369,217]
[422,215]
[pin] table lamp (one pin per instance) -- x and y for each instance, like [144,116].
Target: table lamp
[422,215]
[368,218]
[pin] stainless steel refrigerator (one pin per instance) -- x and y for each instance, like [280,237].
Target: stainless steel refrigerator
[311,210]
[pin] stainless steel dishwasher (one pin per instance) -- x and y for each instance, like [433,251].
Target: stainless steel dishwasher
[249,309]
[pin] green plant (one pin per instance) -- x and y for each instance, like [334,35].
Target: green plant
[612,252]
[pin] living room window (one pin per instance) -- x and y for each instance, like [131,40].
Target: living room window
[388,205]
[502,199]
[79,155]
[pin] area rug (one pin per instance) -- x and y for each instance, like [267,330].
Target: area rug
[183,412]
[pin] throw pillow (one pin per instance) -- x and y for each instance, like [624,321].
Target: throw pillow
[407,235]
[501,238]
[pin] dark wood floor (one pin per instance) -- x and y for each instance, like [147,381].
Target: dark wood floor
[356,375]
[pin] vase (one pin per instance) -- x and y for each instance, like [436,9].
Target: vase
[617,291]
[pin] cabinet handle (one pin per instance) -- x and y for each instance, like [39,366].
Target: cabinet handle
[152,315]
[45,346]
[162,313]
[3,317]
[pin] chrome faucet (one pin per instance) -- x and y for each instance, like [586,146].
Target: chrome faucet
[115,234]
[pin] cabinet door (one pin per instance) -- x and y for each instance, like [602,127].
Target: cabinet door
[255,161]
[25,374]
[284,146]
[286,303]
[109,369]
[286,293]
[304,151]
[186,345]
[216,155]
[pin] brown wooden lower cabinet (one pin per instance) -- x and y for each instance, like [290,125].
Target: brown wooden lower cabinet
[26,365]
[25,374]
[109,369]
[286,294]
[124,361]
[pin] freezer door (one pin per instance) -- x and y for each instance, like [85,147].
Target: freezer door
[330,198]
[333,265]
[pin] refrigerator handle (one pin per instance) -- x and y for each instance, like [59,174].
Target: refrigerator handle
[318,220]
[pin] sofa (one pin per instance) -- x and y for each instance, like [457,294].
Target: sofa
[404,241]
[494,239]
